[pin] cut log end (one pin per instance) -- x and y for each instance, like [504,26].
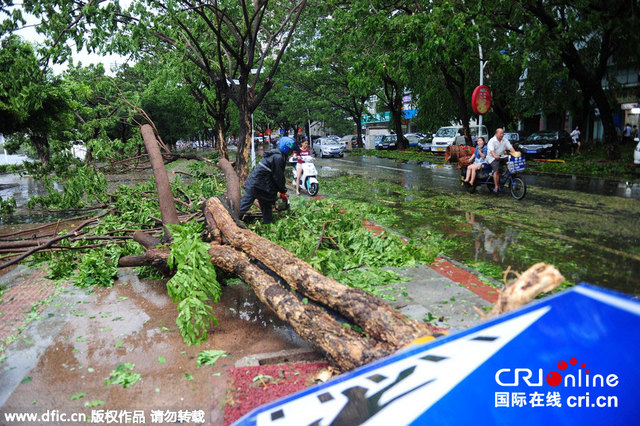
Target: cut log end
[540,278]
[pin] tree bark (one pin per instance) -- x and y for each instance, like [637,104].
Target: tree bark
[375,317]
[343,347]
[233,185]
[165,197]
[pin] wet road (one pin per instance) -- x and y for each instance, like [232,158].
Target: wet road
[586,227]
[425,175]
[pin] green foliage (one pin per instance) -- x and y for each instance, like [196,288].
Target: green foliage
[194,282]
[209,357]
[97,267]
[7,206]
[84,187]
[123,375]
[411,155]
[347,251]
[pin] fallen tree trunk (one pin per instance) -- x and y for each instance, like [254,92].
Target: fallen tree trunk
[375,317]
[165,197]
[343,347]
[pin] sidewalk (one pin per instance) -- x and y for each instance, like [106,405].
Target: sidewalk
[61,359]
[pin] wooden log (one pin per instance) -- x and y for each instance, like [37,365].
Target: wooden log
[344,348]
[375,317]
[540,278]
[165,198]
[151,257]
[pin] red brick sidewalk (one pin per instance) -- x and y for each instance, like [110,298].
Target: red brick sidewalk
[22,298]
[465,279]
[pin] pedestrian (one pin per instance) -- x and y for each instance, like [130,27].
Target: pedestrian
[626,134]
[267,180]
[575,135]
[497,146]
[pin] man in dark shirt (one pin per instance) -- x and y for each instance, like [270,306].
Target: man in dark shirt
[267,179]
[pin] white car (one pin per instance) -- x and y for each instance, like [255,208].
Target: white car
[452,135]
[326,147]
[636,152]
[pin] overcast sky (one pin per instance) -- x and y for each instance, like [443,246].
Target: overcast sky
[29,33]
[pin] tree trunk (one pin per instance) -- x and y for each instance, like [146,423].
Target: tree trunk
[374,316]
[220,139]
[233,186]
[455,87]
[343,347]
[41,145]
[165,197]
[244,144]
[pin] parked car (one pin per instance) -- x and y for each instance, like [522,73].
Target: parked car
[547,143]
[454,135]
[327,147]
[389,142]
[427,143]
[414,138]
[636,152]
[512,137]
[377,139]
[349,138]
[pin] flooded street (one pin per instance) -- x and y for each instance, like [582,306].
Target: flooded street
[588,228]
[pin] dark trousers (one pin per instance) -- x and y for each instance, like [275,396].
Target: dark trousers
[265,202]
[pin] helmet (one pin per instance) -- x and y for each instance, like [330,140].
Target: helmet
[285,144]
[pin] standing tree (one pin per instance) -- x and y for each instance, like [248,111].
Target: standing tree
[592,38]
[230,42]
[32,102]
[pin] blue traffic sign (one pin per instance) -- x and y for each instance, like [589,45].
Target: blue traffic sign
[571,358]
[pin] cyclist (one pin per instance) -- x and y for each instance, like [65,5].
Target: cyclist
[496,148]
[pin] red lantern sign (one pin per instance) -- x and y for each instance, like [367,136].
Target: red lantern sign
[481,100]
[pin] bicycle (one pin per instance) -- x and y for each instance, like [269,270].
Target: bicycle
[516,184]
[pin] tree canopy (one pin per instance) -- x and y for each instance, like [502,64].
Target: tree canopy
[210,66]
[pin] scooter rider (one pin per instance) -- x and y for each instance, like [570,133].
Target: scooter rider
[496,148]
[304,151]
[267,179]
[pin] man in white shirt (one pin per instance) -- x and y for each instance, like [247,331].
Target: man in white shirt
[495,149]
[575,135]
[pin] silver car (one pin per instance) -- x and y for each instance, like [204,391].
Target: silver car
[326,147]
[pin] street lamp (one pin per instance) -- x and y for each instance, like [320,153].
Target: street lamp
[254,71]
[483,64]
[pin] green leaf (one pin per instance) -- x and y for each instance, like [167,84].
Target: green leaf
[209,357]
[77,396]
[161,360]
[123,375]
